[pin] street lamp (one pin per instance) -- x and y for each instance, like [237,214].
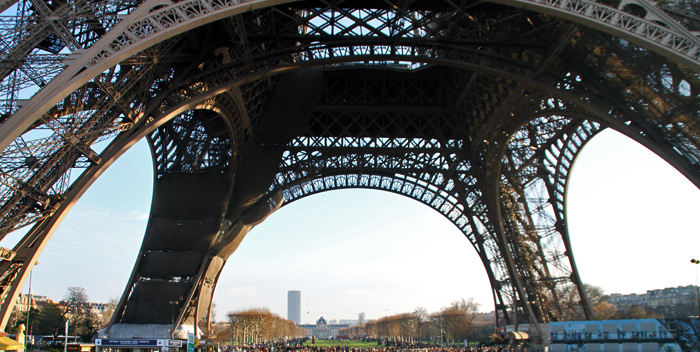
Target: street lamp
[697,288]
[29,307]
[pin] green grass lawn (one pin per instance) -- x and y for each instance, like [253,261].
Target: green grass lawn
[357,344]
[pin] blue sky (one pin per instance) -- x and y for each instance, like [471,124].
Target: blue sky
[631,218]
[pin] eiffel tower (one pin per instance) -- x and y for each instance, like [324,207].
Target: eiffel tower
[477,109]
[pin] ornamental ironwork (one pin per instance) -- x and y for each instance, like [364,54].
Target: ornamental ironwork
[477,109]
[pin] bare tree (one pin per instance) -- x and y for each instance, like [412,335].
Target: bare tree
[76,309]
[108,311]
[605,311]
[636,311]
[455,322]
[570,301]
[258,326]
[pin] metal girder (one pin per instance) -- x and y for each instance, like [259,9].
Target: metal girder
[474,108]
[143,28]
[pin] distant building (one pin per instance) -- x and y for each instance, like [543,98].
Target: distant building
[34,301]
[294,306]
[98,308]
[671,302]
[323,330]
[361,318]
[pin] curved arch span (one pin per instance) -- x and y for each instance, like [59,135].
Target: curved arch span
[144,28]
[429,195]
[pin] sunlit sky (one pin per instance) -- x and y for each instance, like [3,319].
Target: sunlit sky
[632,220]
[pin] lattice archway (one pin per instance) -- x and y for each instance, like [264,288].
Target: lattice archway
[440,180]
[510,113]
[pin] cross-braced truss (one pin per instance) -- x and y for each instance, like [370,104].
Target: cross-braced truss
[474,108]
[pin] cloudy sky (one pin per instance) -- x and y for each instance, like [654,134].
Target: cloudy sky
[631,218]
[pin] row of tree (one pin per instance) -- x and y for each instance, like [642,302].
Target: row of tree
[451,324]
[460,320]
[259,326]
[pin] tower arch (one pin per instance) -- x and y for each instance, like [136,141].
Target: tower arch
[506,122]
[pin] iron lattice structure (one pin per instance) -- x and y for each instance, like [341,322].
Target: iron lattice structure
[477,109]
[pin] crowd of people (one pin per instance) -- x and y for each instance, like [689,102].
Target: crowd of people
[299,346]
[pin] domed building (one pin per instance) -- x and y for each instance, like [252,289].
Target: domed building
[323,330]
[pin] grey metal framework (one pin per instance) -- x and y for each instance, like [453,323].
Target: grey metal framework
[477,109]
